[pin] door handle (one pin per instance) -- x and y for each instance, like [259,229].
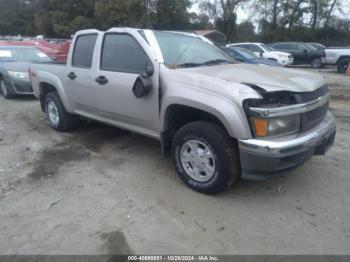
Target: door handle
[102,80]
[72,75]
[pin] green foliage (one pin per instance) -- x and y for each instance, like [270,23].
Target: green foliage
[301,20]
[61,18]
[270,20]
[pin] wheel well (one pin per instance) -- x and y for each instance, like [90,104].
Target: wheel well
[178,116]
[273,59]
[343,58]
[45,88]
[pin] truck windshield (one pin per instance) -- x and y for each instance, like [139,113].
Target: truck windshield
[180,50]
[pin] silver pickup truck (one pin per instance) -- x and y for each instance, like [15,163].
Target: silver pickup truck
[339,57]
[219,118]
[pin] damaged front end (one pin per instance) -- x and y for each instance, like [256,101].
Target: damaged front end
[288,128]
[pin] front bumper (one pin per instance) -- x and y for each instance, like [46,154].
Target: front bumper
[287,61]
[277,154]
[21,86]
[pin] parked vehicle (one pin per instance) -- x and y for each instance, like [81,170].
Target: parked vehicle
[248,57]
[220,118]
[14,66]
[318,46]
[57,51]
[339,57]
[265,51]
[303,53]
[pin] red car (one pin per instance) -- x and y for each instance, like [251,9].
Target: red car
[57,51]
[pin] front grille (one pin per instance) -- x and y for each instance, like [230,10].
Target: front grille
[23,88]
[313,118]
[310,96]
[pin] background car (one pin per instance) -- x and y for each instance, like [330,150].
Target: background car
[303,53]
[318,46]
[265,51]
[14,66]
[58,50]
[248,57]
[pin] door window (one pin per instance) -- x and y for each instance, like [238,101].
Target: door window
[255,49]
[122,53]
[287,47]
[84,50]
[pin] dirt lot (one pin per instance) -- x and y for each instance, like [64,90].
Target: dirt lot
[101,190]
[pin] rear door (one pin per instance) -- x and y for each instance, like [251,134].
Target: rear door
[123,59]
[79,84]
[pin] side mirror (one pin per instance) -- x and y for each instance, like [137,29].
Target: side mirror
[149,71]
[261,54]
[143,83]
[305,51]
[142,86]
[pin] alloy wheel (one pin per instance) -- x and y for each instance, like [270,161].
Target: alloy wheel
[3,87]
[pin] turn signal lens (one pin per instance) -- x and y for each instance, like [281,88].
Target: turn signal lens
[260,126]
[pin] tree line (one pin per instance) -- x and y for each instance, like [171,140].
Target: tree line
[269,20]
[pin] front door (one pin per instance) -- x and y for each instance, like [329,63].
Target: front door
[122,62]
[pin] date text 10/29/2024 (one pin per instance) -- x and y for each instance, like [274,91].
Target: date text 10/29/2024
[172,258]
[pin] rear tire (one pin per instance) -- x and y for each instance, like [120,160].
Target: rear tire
[5,89]
[205,157]
[57,116]
[343,65]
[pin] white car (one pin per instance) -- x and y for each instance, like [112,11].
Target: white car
[267,52]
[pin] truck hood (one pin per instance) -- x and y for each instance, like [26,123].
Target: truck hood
[269,78]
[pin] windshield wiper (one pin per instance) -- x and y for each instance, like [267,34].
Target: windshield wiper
[188,65]
[208,63]
[217,62]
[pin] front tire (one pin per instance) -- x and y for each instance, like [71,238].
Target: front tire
[5,89]
[205,157]
[57,116]
[316,63]
[343,65]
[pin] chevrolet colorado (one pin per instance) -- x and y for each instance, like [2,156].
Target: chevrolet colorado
[218,117]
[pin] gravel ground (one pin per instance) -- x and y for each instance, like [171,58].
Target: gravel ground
[100,190]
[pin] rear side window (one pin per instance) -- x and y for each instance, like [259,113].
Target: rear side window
[84,51]
[122,53]
[285,47]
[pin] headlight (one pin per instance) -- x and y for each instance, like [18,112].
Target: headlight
[267,127]
[21,75]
